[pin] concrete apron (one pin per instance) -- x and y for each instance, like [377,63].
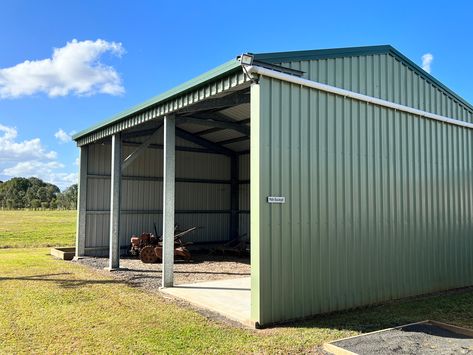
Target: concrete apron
[229,298]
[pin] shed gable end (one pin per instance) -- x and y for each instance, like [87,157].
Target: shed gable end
[382,73]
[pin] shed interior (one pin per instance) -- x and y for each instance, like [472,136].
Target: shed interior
[212,176]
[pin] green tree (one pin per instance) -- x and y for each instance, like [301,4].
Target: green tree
[67,200]
[21,192]
[10,204]
[35,203]
[53,204]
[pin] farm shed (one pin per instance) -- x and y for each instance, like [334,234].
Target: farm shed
[361,185]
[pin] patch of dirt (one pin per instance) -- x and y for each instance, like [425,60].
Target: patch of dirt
[201,268]
[413,339]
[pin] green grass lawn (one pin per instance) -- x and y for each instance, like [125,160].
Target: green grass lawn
[20,229]
[53,306]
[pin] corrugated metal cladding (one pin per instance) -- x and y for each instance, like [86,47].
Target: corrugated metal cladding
[386,77]
[244,194]
[142,194]
[379,204]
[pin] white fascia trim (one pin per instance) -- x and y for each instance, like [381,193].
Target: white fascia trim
[353,95]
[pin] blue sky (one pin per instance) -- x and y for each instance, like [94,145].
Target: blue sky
[148,47]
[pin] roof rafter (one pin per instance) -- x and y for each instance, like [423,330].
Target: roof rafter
[203,142]
[244,129]
[233,140]
[213,130]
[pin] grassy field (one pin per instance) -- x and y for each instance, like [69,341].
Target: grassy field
[52,306]
[20,229]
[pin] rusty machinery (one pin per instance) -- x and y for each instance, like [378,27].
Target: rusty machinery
[149,247]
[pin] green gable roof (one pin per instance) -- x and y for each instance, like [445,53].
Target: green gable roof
[275,57]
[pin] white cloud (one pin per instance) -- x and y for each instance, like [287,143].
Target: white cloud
[30,168]
[63,180]
[74,68]
[11,150]
[30,158]
[427,59]
[62,136]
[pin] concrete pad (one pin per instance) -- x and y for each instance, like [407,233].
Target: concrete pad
[230,298]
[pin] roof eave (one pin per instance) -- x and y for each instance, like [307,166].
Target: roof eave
[213,74]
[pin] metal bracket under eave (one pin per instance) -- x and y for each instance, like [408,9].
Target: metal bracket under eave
[254,78]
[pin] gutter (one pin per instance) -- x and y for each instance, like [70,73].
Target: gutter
[253,69]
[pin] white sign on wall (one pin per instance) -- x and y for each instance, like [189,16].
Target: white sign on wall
[276,199]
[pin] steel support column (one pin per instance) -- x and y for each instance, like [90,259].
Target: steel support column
[168,200]
[115,193]
[81,202]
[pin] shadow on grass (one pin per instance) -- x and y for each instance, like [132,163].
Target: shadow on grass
[454,307]
[62,282]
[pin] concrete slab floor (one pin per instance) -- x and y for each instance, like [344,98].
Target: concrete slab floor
[230,298]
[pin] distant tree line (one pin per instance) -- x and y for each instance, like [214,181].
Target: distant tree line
[34,193]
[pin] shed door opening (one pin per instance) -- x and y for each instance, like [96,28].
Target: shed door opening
[212,193]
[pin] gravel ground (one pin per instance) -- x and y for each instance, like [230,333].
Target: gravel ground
[201,268]
[413,339]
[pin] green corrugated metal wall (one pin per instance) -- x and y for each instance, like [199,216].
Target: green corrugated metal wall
[378,202]
[383,76]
